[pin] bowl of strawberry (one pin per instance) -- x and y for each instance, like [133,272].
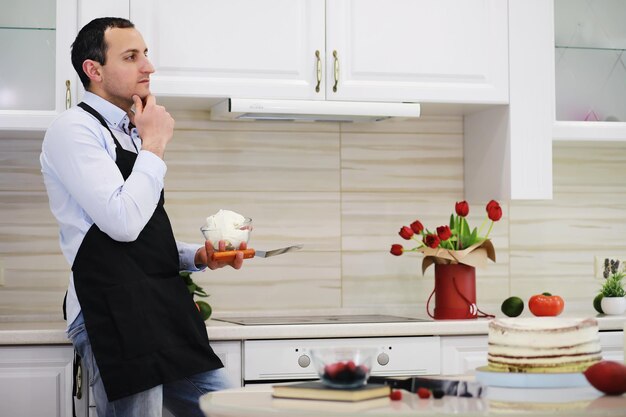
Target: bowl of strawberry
[343,367]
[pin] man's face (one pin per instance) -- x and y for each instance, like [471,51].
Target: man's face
[127,69]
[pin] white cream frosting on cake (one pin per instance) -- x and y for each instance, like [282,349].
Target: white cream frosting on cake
[543,344]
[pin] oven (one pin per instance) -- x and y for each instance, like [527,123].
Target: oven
[283,360]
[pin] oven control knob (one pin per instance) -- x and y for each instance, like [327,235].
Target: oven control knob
[304,361]
[383,359]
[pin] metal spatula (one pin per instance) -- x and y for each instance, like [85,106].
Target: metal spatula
[228,256]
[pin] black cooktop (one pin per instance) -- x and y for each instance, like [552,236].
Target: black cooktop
[338,319]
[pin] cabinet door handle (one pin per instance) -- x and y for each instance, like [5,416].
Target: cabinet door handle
[336,71]
[319,71]
[68,94]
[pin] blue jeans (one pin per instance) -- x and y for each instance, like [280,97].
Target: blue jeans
[179,397]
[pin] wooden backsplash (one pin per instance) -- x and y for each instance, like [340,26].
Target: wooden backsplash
[343,191]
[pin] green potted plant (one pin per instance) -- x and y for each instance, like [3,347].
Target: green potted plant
[203,307]
[613,301]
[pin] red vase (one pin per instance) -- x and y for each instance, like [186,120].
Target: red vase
[455,292]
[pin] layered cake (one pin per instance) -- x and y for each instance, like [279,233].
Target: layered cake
[543,344]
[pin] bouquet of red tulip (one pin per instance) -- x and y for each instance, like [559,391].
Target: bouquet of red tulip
[453,243]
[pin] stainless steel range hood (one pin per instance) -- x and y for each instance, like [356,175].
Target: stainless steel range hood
[311,110]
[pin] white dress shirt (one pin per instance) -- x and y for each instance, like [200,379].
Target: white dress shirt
[85,186]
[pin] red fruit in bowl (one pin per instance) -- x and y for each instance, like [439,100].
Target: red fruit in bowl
[608,377]
[332,370]
[345,372]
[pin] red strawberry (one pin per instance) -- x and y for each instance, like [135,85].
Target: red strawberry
[395,395]
[608,377]
[423,392]
[351,366]
[334,369]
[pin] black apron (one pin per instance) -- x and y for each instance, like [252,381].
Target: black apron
[143,324]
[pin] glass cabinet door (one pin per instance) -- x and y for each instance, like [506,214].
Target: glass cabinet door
[28,45]
[37,80]
[590,64]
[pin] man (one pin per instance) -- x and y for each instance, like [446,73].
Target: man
[130,316]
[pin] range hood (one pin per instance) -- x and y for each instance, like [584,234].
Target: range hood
[311,110]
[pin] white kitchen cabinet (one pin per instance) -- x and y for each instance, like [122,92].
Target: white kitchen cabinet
[229,352]
[444,51]
[612,346]
[461,355]
[508,149]
[36,381]
[238,48]
[89,10]
[38,80]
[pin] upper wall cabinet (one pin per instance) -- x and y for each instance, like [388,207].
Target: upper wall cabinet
[37,80]
[432,51]
[89,10]
[235,48]
[441,51]
[508,149]
[590,40]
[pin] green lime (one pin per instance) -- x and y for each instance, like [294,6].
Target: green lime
[205,309]
[597,303]
[513,306]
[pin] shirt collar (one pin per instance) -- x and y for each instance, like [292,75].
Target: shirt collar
[113,115]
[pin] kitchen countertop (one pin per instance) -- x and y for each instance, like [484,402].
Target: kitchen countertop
[53,332]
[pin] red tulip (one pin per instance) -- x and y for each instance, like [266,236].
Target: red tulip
[492,204]
[406,232]
[444,232]
[432,241]
[396,250]
[417,227]
[494,213]
[462,208]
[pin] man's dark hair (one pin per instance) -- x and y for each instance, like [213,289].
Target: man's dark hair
[90,44]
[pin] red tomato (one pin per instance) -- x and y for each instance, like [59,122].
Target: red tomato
[546,304]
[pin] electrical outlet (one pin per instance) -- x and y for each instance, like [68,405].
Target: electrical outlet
[598,264]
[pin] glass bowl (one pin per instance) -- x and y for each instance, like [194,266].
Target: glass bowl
[233,237]
[343,367]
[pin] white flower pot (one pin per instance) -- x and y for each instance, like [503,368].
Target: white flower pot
[613,305]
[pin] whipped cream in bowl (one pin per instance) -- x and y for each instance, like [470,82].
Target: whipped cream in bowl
[226,225]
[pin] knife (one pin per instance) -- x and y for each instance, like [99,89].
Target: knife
[457,388]
[229,255]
